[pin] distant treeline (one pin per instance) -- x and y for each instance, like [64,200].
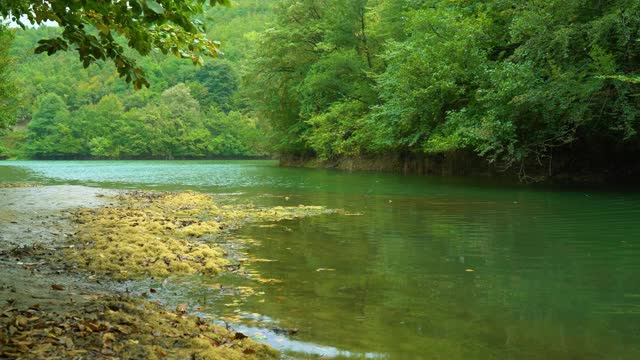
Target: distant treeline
[67,112]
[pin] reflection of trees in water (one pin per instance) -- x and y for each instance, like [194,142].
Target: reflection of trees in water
[401,281]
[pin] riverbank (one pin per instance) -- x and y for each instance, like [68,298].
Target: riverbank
[560,169]
[454,164]
[64,248]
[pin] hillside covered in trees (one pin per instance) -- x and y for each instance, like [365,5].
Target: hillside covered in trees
[64,111]
[518,84]
[540,85]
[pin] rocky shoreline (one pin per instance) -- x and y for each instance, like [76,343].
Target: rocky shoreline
[65,249]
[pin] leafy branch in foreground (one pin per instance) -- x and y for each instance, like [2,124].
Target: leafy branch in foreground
[168,25]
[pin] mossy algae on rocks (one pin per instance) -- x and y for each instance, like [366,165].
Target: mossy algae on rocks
[142,236]
[160,234]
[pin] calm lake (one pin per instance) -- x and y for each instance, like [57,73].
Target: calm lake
[433,268]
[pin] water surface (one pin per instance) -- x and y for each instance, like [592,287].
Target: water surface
[434,268]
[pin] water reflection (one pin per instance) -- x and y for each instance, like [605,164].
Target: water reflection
[476,280]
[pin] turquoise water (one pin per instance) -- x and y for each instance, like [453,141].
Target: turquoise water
[434,268]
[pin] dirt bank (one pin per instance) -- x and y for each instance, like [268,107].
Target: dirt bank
[562,168]
[456,164]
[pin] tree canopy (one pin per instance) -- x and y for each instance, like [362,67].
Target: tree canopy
[188,112]
[514,82]
[94,29]
[7,86]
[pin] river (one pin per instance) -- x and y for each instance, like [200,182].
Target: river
[415,267]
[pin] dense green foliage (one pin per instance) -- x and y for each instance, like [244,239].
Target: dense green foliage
[7,88]
[188,112]
[95,28]
[512,81]
[519,84]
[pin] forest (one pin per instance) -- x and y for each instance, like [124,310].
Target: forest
[187,200]
[513,82]
[63,111]
[517,84]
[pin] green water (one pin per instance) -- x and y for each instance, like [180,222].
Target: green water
[435,268]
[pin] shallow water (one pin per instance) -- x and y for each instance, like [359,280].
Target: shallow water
[435,268]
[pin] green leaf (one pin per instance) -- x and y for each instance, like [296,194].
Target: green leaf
[155,7]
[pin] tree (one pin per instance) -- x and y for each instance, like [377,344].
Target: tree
[318,54]
[51,134]
[93,27]
[50,110]
[181,114]
[220,81]
[179,105]
[8,90]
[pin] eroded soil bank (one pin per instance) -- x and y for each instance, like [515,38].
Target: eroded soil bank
[64,249]
[581,166]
